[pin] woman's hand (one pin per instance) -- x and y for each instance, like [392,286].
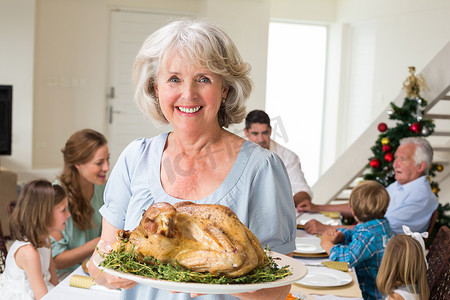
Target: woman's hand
[103,278]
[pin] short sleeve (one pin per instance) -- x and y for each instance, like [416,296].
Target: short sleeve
[118,190]
[271,207]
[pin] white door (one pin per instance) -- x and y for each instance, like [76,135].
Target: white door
[126,122]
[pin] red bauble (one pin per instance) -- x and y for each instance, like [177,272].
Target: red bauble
[415,127]
[382,127]
[387,148]
[389,157]
[375,163]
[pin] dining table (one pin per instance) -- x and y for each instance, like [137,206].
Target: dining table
[64,291]
[350,291]
[313,261]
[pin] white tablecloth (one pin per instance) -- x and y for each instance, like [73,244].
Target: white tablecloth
[63,291]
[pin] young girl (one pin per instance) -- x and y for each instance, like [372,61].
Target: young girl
[403,271]
[30,272]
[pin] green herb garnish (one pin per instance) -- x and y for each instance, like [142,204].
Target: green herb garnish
[128,263]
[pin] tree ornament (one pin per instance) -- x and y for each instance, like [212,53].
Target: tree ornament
[389,157]
[435,190]
[390,112]
[375,163]
[425,131]
[382,127]
[385,141]
[440,168]
[414,84]
[429,178]
[387,148]
[415,127]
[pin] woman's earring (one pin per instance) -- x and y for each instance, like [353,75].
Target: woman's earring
[157,100]
[223,100]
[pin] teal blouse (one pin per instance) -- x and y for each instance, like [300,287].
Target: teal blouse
[73,237]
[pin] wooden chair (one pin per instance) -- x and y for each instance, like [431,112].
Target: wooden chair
[432,222]
[433,219]
[438,273]
[3,250]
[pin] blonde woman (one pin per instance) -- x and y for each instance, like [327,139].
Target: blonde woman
[190,74]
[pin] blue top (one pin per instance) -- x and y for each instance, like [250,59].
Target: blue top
[411,204]
[257,189]
[74,237]
[363,249]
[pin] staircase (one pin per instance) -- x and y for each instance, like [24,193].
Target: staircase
[334,186]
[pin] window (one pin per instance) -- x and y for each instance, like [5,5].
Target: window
[295,90]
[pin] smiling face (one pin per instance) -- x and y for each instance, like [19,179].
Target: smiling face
[189,95]
[60,216]
[259,133]
[405,166]
[94,171]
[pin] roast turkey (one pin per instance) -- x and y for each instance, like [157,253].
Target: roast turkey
[201,237]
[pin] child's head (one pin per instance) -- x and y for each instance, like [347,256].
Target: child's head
[403,263]
[369,201]
[33,217]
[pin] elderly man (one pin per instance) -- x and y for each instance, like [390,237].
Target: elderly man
[258,130]
[412,202]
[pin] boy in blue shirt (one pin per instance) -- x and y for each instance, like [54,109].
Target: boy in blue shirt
[363,246]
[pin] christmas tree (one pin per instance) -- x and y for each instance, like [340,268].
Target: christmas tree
[410,122]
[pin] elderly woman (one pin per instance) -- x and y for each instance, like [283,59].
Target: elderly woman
[190,74]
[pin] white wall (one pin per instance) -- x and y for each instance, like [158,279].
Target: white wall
[16,69]
[69,43]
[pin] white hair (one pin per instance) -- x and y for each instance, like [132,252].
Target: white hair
[423,153]
[196,42]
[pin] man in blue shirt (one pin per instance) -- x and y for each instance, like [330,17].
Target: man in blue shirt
[412,202]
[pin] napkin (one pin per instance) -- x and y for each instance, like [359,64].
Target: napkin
[331,214]
[81,281]
[337,265]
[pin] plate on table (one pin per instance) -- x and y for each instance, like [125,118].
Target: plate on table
[306,217]
[324,277]
[308,245]
[297,268]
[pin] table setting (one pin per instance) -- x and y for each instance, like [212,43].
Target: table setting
[314,276]
[326,279]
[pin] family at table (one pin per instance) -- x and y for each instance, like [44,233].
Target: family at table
[189,74]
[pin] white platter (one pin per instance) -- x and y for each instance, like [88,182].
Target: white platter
[325,277]
[309,245]
[297,268]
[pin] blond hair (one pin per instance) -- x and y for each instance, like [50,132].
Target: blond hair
[80,148]
[32,216]
[369,201]
[403,264]
[199,43]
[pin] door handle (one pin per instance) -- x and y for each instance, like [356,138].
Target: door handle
[111,112]
[112,93]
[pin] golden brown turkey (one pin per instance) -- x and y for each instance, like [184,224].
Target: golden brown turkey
[201,237]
